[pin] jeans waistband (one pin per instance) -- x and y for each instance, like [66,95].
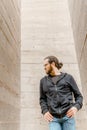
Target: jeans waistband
[59,116]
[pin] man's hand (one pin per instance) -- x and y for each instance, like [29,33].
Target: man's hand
[71,112]
[48,117]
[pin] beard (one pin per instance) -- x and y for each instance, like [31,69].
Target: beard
[50,70]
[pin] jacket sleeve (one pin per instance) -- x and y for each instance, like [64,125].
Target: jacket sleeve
[77,94]
[43,99]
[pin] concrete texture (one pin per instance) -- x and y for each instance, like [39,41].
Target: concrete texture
[46,30]
[78,11]
[9,64]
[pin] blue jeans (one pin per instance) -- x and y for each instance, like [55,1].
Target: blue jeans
[64,123]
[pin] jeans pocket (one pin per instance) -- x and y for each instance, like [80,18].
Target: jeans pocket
[67,117]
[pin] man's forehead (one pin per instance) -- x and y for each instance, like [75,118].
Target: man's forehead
[46,61]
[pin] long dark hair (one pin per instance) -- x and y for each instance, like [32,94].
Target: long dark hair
[55,60]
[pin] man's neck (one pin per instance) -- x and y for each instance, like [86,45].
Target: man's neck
[55,73]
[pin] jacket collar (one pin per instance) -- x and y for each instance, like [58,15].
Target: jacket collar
[62,75]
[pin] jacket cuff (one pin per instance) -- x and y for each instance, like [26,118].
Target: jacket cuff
[44,111]
[77,106]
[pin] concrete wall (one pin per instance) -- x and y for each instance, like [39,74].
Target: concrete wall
[46,30]
[78,12]
[9,64]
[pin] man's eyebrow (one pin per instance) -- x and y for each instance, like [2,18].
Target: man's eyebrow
[45,64]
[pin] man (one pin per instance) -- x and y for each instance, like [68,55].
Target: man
[57,91]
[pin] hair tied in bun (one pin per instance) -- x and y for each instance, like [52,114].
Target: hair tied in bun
[60,65]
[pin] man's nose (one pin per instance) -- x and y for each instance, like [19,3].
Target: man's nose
[44,68]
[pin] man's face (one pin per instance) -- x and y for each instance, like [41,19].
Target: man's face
[47,67]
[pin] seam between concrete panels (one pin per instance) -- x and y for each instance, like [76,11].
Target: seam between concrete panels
[83,48]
